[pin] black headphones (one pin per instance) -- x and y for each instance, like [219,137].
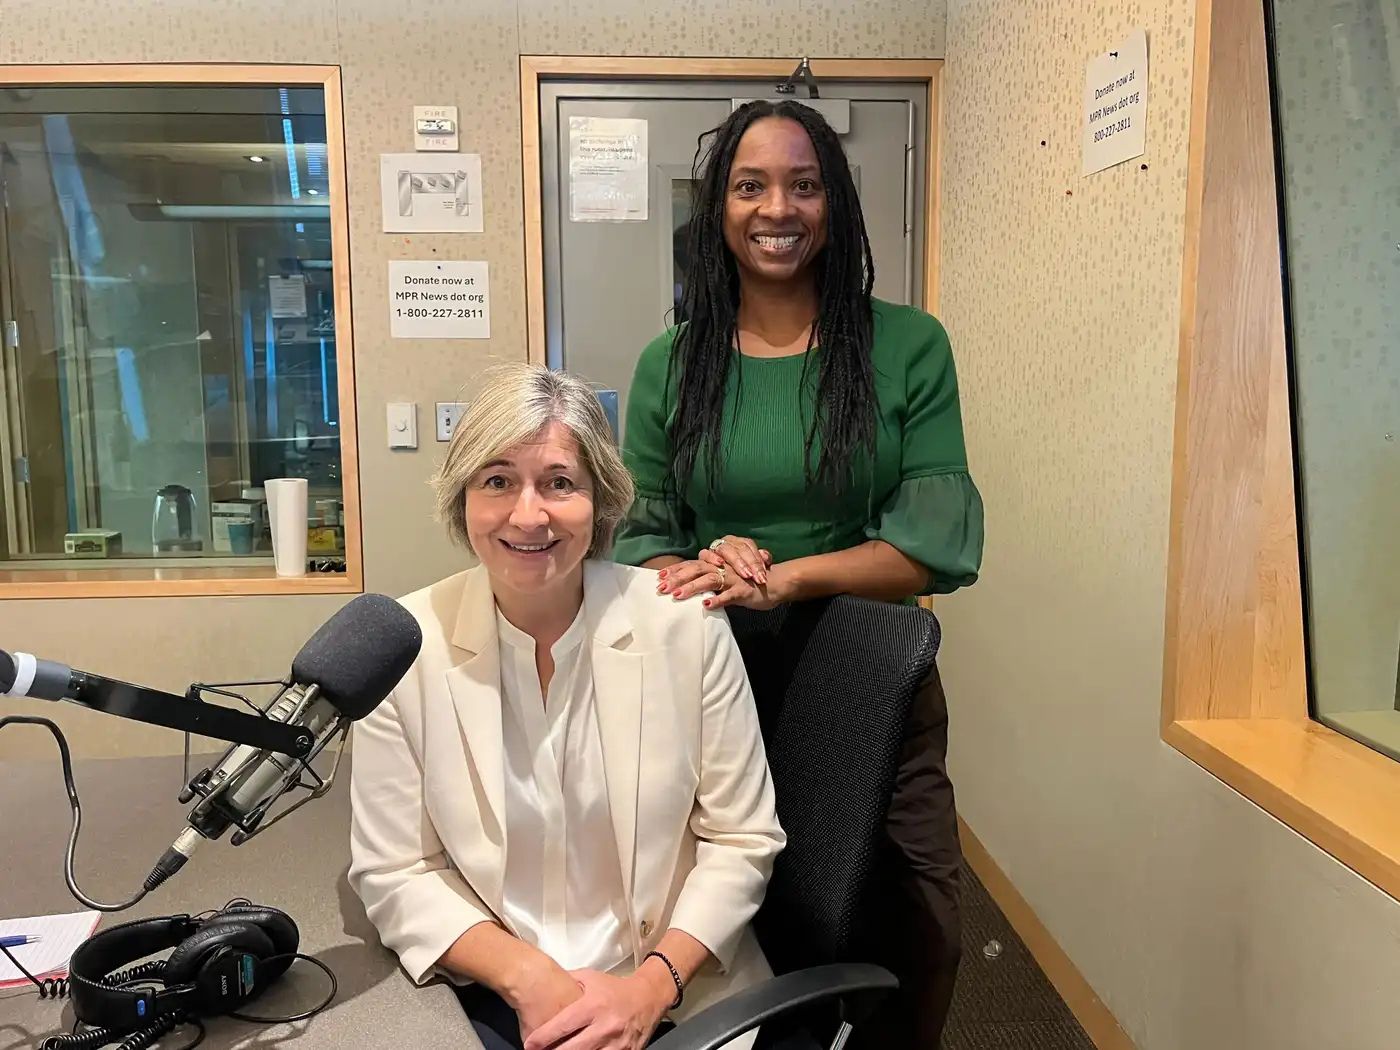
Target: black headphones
[219,962]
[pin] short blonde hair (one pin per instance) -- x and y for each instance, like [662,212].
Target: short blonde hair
[515,403]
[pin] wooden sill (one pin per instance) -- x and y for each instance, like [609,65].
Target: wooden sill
[1378,729]
[1340,795]
[152,582]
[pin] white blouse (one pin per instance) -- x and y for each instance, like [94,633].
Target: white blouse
[563,888]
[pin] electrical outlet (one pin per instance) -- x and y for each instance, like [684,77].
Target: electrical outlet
[447,413]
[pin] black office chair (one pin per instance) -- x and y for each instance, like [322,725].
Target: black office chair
[833,680]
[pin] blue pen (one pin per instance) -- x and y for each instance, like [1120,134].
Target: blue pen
[16,942]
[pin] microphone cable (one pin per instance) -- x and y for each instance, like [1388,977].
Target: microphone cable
[49,987]
[77,821]
[139,1039]
[57,988]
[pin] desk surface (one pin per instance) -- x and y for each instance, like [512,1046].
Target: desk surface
[129,817]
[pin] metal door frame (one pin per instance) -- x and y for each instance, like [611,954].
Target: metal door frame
[553,94]
[536,70]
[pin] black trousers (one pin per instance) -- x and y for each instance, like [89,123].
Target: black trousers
[498,1028]
[917,932]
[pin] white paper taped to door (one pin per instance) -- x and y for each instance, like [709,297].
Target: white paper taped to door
[607,169]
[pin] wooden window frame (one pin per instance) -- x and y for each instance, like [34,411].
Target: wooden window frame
[153,581]
[1235,695]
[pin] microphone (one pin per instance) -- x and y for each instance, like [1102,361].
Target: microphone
[346,669]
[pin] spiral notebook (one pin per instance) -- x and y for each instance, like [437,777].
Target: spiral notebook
[59,936]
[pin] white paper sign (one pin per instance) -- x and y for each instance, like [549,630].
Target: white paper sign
[607,169]
[431,192]
[286,296]
[1115,105]
[439,300]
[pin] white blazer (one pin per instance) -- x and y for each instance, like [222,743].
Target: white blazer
[688,783]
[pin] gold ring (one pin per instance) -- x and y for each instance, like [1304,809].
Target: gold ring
[717,544]
[720,572]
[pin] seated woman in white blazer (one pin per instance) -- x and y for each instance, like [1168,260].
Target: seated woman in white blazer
[565,805]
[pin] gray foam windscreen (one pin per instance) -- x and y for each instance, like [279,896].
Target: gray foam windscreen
[360,654]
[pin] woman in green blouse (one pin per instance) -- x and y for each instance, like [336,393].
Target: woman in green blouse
[796,438]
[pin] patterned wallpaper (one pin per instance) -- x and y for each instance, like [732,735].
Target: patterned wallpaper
[395,55]
[1198,919]
[168,31]
[1062,296]
[876,29]
[413,51]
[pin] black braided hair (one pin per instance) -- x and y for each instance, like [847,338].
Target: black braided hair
[700,360]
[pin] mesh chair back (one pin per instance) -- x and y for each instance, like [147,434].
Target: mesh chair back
[833,680]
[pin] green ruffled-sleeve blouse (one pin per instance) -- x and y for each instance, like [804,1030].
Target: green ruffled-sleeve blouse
[916,494]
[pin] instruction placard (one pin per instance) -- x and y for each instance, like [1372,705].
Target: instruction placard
[1115,105]
[607,169]
[286,295]
[439,300]
[431,192]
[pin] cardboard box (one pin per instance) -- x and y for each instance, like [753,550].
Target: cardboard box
[92,543]
[323,539]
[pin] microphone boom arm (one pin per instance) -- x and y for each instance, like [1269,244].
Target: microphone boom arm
[188,714]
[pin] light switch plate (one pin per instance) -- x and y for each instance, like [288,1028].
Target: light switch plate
[447,413]
[403,424]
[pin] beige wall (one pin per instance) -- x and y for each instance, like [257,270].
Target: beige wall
[393,55]
[1202,922]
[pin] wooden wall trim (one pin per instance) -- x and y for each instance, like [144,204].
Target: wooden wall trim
[1234,695]
[175,73]
[597,67]
[344,330]
[933,198]
[136,580]
[1089,1010]
[534,68]
[168,583]
[1233,618]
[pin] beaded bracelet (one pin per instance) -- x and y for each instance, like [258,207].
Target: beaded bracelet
[675,976]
